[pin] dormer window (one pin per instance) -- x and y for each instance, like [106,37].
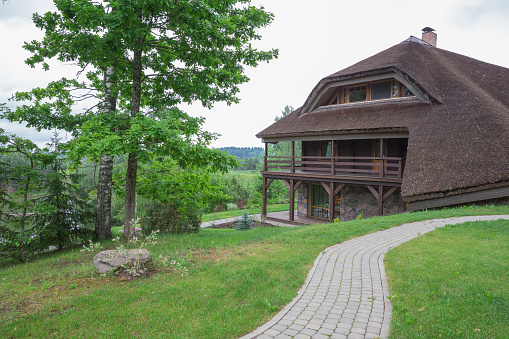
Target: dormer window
[376,90]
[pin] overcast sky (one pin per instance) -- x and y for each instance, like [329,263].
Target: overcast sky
[314,38]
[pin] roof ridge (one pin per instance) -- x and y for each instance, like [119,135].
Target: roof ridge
[415,39]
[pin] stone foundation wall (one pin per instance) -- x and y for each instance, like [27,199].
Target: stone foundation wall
[394,204]
[357,200]
[302,200]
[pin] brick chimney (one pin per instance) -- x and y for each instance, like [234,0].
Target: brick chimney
[429,35]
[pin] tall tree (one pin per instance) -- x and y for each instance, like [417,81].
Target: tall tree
[164,53]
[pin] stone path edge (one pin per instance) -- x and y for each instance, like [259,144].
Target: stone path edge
[387,304]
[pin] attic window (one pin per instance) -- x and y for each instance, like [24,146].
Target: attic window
[376,90]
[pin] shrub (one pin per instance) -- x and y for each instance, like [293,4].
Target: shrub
[231,206]
[168,218]
[244,222]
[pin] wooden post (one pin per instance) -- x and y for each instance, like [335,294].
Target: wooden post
[380,200]
[333,164]
[382,158]
[293,157]
[292,198]
[265,158]
[331,201]
[400,169]
[264,189]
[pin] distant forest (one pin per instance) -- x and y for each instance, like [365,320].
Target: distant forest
[250,156]
[244,152]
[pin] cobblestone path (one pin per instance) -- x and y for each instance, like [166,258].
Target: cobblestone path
[346,294]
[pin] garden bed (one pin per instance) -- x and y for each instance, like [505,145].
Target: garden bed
[234,224]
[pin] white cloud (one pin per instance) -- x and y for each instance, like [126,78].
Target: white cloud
[314,38]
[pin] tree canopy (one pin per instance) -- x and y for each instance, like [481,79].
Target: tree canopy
[147,56]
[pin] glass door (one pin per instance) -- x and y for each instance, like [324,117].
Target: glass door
[320,203]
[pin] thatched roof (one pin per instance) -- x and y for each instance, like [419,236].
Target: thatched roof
[458,127]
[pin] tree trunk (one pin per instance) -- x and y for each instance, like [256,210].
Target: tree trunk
[104,187]
[130,195]
[104,192]
[132,162]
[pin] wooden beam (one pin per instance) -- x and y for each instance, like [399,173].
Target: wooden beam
[265,157]
[380,200]
[325,187]
[269,182]
[331,201]
[297,185]
[287,183]
[292,200]
[373,191]
[389,193]
[333,162]
[293,157]
[339,188]
[264,195]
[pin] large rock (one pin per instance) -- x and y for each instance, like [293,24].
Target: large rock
[107,261]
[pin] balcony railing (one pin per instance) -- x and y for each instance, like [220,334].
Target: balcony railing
[381,167]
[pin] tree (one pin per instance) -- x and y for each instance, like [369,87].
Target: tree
[163,54]
[44,208]
[287,110]
[284,148]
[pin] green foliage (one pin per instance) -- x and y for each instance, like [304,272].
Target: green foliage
[146,57]
[276,193]
[243,152]
[244,222]
[45,208]
[170,218]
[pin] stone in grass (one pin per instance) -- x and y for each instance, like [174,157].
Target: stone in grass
[110,260]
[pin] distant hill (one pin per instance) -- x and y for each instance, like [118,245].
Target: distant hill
[244,152]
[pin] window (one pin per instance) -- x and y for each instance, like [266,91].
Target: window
[325,148]
[357,93]
[319,207]
[382,90]
[377,90]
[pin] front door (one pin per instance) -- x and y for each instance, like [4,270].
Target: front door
[375,153]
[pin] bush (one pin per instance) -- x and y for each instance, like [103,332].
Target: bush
[244,222]
[231,206]
[168,218]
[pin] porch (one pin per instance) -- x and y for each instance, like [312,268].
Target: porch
[284,218]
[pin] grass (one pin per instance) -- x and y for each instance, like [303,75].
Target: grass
[236,282]
[237,213]
[452,283]
[244,177]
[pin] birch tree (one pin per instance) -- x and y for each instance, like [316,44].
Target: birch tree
[164,53]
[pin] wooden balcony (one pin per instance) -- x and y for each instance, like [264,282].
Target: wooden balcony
[369,170]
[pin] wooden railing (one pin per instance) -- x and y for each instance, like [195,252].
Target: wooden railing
[382,167]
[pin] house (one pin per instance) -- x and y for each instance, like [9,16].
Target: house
[413,127]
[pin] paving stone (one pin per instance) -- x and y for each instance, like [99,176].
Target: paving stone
[301,336]
[346,288]
[308,331]
[290,332]
[272,332]
[355,336]
[279,327]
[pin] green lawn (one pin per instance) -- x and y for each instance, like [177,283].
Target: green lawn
[236,282]
[237,213]
[452,283]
